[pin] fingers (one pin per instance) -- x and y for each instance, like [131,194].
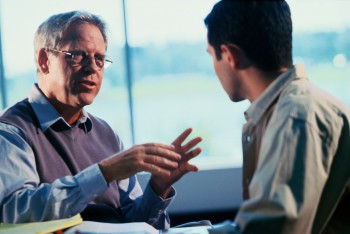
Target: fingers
[167,151]
[191,144]
[191,167]
[156,158]
[160,161]
[193,153]
[185,168]
[182,137]
[155,170]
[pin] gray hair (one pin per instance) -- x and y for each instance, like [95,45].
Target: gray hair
[51,33]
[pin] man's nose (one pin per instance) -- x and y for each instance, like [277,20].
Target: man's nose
[91,64]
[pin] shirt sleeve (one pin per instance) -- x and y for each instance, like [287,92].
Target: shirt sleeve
[147,206]
[293,167]
[24,199]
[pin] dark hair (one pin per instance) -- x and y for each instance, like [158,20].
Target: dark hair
[262,29]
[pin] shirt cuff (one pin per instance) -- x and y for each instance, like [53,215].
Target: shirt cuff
[154,202]
[89,178]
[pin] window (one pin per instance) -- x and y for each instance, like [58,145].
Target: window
[173,82]
[322,42]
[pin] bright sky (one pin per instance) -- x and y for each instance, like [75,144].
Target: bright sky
[150,21]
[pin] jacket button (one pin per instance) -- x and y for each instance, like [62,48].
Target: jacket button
[247,138]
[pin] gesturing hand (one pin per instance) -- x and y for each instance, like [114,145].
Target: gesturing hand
[156,158]
[162,183]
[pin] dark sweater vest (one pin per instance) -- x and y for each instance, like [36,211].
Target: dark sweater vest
[62,151]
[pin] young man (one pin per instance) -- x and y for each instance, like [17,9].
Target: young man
[57,160]
[296,142]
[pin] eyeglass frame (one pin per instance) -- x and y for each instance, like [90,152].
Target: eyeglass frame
[106,61]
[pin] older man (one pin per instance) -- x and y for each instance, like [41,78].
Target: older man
[57,160]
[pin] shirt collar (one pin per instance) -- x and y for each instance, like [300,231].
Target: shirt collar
[48,115]
[259,106]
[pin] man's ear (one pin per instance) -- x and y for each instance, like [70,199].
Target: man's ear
[43,61]
[234,55]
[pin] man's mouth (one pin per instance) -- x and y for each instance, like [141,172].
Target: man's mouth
[88,84]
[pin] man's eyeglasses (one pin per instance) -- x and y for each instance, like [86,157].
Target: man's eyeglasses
[82,58]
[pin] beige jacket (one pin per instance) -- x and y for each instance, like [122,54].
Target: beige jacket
[296,160]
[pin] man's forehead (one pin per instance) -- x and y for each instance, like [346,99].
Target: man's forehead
[81,33]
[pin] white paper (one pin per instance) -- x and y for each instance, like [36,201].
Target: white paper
[89,227]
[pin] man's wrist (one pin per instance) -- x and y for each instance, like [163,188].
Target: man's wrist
[162,192]
[104,171]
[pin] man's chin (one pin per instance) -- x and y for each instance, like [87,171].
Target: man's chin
[85,101]
[86,97]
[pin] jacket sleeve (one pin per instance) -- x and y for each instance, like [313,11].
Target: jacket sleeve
[294,162]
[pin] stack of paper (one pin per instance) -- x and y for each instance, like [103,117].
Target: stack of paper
[40,227]
[89,227]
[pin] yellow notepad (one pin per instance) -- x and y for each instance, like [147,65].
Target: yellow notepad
[40,227]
